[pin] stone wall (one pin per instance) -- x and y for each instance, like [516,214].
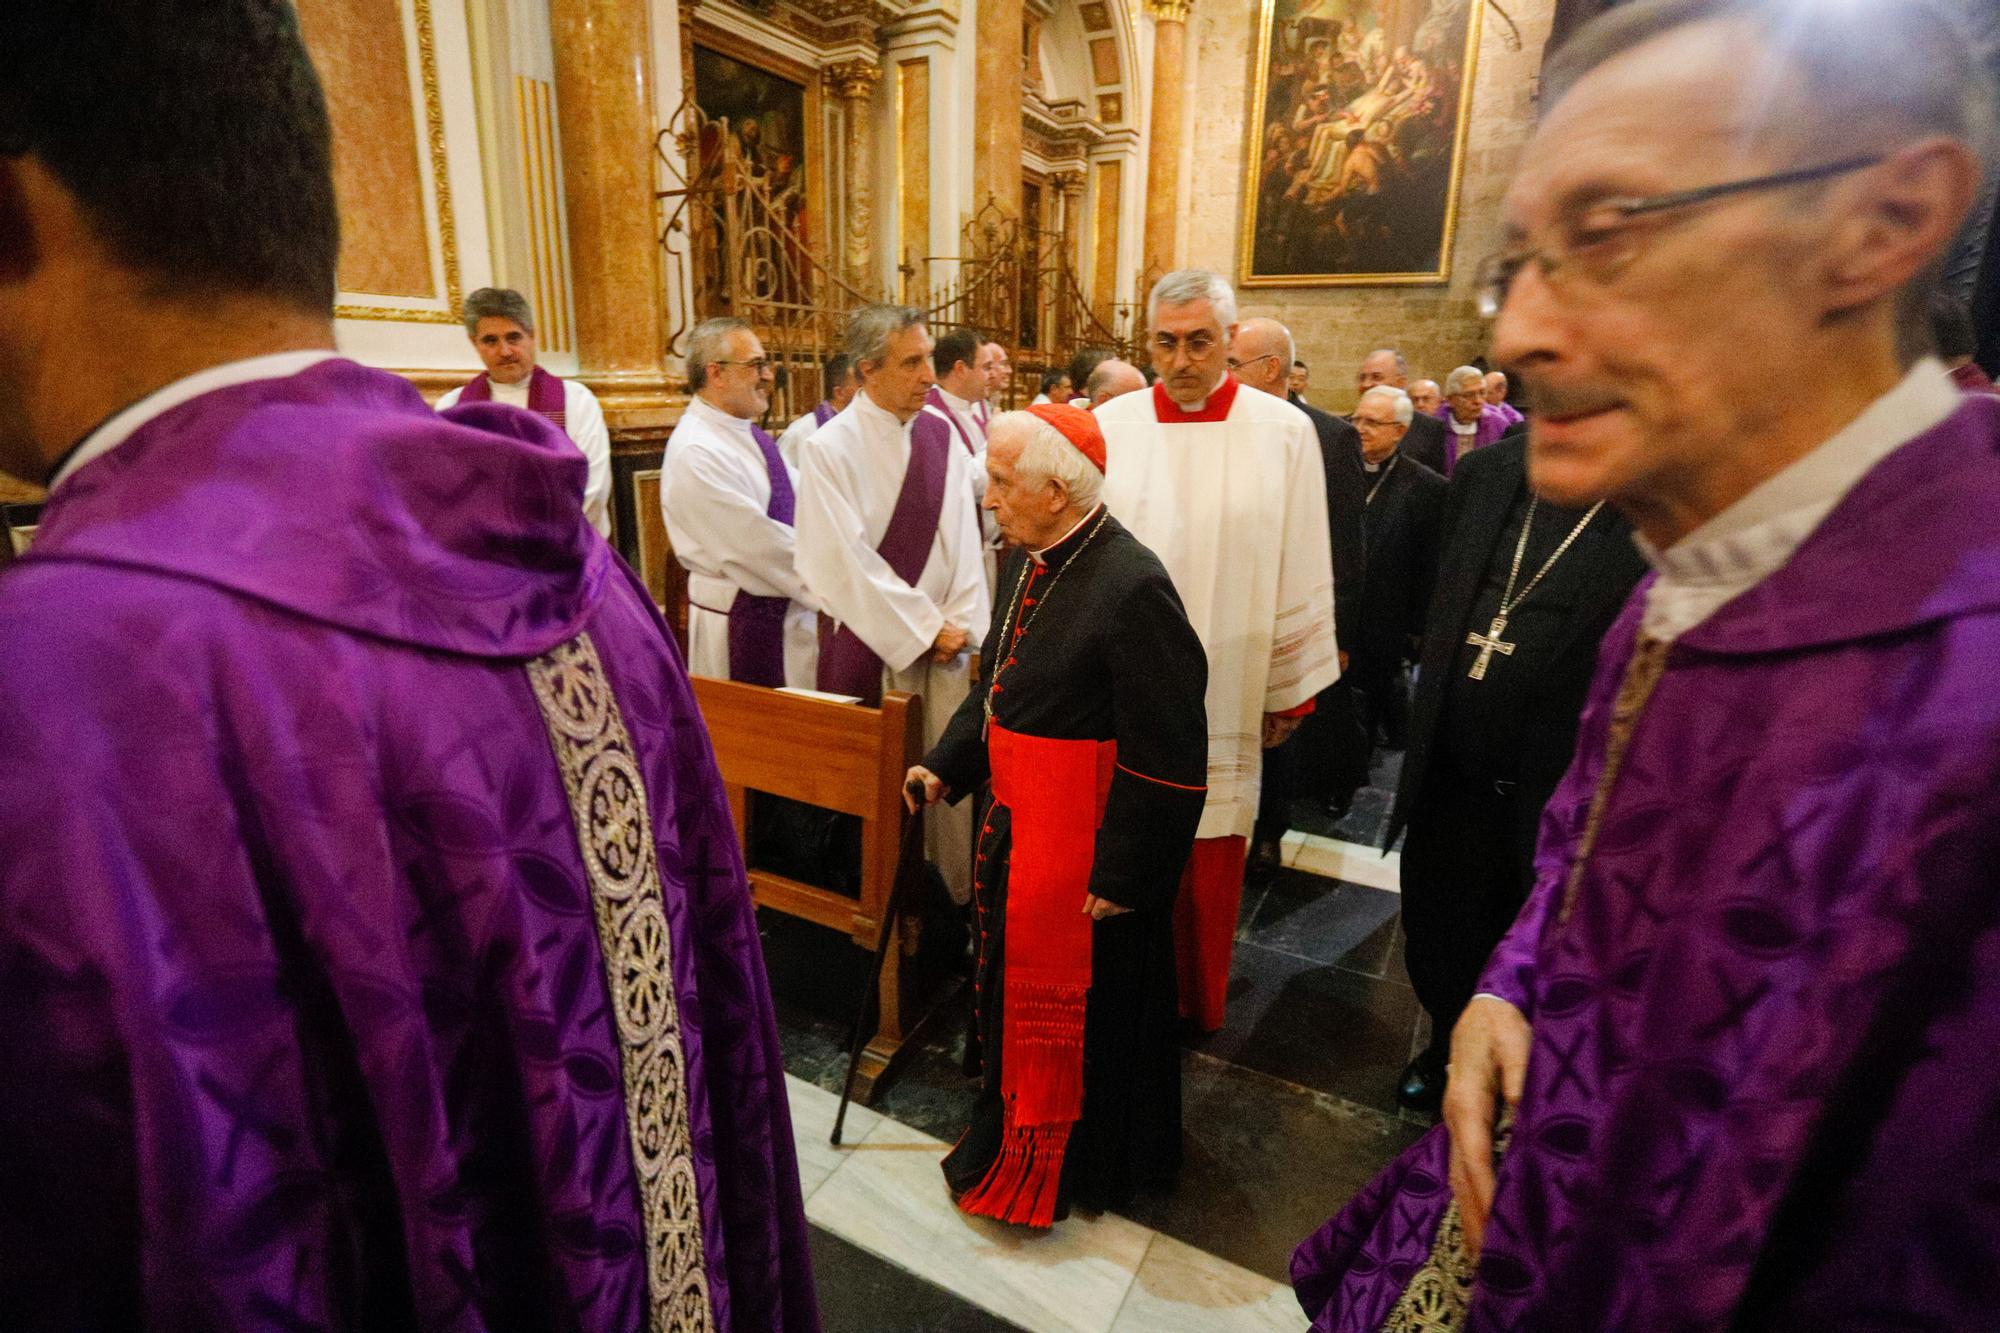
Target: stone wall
[1437,327]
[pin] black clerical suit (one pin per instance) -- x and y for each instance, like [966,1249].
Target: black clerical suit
[1485,755]
[1425,442]
[1105,654]
[1403,521]
[1327,757]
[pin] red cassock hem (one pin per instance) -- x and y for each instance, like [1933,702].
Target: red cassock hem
[1205,926]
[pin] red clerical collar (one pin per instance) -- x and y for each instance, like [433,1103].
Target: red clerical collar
[1215,409]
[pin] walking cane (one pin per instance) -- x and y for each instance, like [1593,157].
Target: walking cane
[909,864]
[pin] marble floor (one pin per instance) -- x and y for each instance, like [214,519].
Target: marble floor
[1289,1109]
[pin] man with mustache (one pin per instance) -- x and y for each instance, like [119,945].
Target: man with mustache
[1227,486]
[1735,1056]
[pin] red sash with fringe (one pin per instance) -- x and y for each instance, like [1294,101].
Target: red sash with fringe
[1055,791]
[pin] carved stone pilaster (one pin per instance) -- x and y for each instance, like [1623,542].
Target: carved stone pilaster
[853,82]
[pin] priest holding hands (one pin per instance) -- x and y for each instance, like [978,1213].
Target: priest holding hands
[1091,727]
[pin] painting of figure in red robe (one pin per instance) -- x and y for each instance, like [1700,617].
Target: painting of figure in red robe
[1361,113]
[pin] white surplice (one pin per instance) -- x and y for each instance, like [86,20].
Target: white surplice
[850,474]
[1235,508]
[583,421]
[714,489]
[796,434]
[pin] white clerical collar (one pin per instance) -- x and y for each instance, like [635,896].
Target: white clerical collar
[1750,540]
[963,406]
[1463,428]
[120,428]
[718,418]
[1036,556]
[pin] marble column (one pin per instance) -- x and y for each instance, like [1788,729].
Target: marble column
[1163,154]
[604,92]
[853,82]
[997,83]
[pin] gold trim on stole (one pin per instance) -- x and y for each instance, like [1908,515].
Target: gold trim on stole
[607,802]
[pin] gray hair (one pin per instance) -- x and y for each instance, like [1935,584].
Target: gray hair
[870,327]
[1871,73]
[1193,284]
[497,303]
[1463,378]
[707,344]
[1399,402]
[1048,453]
[1101,377]
[1402,365]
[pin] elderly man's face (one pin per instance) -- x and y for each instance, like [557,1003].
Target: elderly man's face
[1258,359]
[1468,403]
[1190,349]
[999,369]
[1425,397]
[1028,510]
[1379,368]
[1637,354]
[740,383]
[1380,432]
[1496,388]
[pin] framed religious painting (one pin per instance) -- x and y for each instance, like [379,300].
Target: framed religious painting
[761,168]
[1360,114]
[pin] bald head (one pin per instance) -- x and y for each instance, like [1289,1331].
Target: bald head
[1385,365]
[1262,354]
[1111,379]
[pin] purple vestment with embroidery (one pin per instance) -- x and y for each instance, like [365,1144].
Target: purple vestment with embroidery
[306,1016]
[1762,1091]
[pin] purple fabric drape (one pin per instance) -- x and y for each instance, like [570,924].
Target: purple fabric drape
[546,396]
[1761,1090]
[823,413]
[935,399]
[307,1015]
[757,624]
[846,664]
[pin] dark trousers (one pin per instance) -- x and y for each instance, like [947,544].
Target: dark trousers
[1468,862]
[1382,691]
[1326,759]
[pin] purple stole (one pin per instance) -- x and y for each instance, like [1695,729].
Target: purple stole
[545,395]
[757,624]
[935,400]
[823,413]
[846,664]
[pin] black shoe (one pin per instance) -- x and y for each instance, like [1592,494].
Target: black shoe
[1422,1085]
[1267,857]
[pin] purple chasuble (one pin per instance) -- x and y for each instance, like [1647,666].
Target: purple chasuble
[545,395]
[823,413]
[1761,1092]
[846,664]
[310,1019]
[757,624]
[1492,425]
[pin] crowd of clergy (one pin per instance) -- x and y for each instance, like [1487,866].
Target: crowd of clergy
[375,943]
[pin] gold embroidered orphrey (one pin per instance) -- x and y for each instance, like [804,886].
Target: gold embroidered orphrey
[1440,1293]
[607,802]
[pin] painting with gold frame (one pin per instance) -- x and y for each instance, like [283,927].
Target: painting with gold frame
[1361,111]
[772,108]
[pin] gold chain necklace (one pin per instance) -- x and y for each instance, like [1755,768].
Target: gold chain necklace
[1490,642]
[1014,610]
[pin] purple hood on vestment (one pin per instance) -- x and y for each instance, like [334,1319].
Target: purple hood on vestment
[1762,1091]
[307,1016]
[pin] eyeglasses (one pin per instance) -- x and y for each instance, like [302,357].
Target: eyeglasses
[1234,364]
[1593,246]
[1198,344]
[757,367]
[1363,423]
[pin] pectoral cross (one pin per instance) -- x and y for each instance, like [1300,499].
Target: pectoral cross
[1488,644]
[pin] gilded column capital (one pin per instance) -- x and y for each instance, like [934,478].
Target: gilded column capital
[853,80]
[1067,183]
[1169,11]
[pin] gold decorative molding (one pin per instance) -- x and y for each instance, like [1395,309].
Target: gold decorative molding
[1169,11]
[854,80]
[440,191]
[535,111]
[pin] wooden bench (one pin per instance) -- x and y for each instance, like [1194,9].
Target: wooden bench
[839,757]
